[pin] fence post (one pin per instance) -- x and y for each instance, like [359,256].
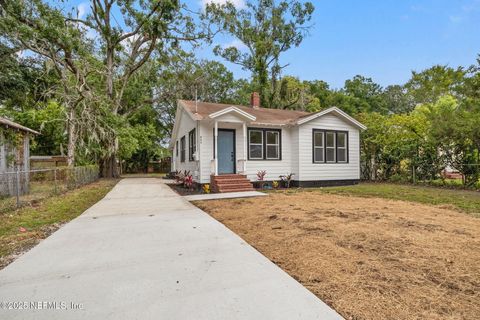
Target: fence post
[18,187]
[55,179]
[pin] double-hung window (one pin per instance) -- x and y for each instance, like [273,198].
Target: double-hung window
[255,144]
[264,144]
[330,141]
[329,146]
[192,145]
[318,146]
[272,145]
[342,153]
[182,149]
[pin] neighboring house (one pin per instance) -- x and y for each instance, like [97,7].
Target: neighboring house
[14,156]
[217,141]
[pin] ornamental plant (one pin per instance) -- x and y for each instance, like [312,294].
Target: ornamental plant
[261,177]
[206,188]
[287,179]
[188,181]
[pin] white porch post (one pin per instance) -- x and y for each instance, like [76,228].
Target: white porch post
[216,147]
[245,148]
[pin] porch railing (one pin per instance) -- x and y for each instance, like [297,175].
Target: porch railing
[213,166]
[242,165]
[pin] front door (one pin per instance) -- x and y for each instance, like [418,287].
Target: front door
[226,151]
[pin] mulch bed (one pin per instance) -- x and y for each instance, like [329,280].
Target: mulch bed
[185,192]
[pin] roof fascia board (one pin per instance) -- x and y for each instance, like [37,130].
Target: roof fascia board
[332,110]
[232,109]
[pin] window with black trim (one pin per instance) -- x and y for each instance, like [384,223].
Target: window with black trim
[329,146]
[264,144]
[176,148]
[192,145]
[182,149]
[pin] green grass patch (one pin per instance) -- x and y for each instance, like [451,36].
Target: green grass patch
[46,216]
[463,200]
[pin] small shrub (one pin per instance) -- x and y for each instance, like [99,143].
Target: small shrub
[275,184]
[206,188]
[287,179]
[180,176]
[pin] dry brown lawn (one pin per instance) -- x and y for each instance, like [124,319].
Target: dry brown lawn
[368,258]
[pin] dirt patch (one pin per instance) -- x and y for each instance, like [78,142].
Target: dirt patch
[368,258]
[28,240]
[24,228]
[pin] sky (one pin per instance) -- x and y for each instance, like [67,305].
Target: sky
[381,39]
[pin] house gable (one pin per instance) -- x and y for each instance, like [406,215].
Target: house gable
[233,111]
[333,111]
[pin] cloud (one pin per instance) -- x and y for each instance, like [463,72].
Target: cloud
[455,19]
[235,43]
[237,3]
[82,9]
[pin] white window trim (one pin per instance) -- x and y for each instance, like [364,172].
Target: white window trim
[344,148]
[192,144]
[334,147]
[317,147]
[277,133]
[254,144]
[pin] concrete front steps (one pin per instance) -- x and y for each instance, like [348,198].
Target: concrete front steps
[230,183]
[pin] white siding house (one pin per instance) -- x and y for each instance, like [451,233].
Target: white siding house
[211,139]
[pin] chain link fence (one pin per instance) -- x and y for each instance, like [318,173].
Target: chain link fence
[19,188]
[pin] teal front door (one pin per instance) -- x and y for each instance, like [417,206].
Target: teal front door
[226,151]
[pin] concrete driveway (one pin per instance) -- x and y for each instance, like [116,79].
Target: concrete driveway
[143,252]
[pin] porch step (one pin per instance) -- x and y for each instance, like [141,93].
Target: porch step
[235,190]
[230,176]
[230,183]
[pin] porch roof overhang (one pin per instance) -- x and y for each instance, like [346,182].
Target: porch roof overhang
[233,110]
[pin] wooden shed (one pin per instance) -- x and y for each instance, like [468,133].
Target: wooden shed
[14,156]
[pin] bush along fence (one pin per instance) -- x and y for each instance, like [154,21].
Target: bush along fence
[18,188]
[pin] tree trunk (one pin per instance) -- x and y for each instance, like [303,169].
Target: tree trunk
[373,172]
[72,138]
[109,165]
